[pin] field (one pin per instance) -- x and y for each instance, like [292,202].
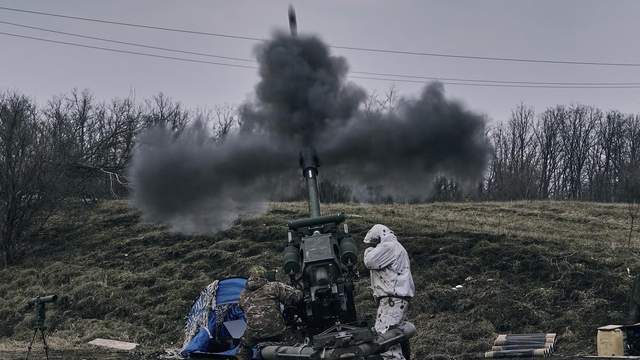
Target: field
[561,267]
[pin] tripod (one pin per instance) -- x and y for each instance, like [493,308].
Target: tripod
[44,342]
[38,324]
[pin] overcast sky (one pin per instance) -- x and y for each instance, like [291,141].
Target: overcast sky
[567,30]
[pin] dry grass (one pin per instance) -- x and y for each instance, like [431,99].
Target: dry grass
[524,266]
[576,222]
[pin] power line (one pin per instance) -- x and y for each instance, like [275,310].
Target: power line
[354,77]
[503,85]
[490,58]
[343,47]
[126,42]
[434,78]
[187,31]
[254,67]
[129,52]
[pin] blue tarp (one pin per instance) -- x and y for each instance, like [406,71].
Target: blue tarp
[229,290]
[217,337]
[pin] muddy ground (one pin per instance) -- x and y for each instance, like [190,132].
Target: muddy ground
[523,267]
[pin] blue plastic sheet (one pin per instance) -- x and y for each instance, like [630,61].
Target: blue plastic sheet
[229,290]
[228,293]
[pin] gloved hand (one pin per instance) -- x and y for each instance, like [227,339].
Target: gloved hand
[373,242]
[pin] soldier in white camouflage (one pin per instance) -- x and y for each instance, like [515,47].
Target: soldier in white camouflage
[391,283]
[261,302]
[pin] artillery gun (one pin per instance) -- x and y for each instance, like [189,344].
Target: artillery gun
[320,259]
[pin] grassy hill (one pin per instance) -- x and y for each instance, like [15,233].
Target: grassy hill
[523,266]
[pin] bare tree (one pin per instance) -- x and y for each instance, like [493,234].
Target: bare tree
[497,178]
[81,108]
[512,169]
[225,120]
[522,151]
[93,142]
[384,103]
[607,158]
[632,172]
[576,134]
[28,177]
[163,111]
[547,138]
[632,185]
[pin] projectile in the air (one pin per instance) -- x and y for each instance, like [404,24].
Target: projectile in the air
[293,24]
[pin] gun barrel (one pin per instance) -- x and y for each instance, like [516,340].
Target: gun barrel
[309,165]
[311,175]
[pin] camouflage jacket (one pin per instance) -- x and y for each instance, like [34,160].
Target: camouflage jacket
[261,304]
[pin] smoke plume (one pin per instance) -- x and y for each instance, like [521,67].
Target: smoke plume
[304,100]
[401,152]
[302,92]
[195,184]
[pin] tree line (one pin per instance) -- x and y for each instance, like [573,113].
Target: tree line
[75,148]
[575,152]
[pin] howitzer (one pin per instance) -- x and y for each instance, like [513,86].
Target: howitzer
[320,259]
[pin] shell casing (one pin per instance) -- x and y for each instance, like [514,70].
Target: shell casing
[541,342]
[518,337]
[515,354]
[523,341]
[519,347]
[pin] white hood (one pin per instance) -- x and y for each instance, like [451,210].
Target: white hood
[378,231]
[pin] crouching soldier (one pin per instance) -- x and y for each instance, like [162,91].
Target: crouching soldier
[391,282]
[261,302]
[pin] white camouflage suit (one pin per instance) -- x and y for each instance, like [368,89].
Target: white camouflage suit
[391,281]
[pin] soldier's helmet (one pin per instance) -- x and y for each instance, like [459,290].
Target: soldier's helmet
[257,272]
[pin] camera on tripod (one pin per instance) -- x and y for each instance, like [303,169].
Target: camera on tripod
[40,302]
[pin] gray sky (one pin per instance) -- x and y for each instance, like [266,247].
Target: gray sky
[567,30]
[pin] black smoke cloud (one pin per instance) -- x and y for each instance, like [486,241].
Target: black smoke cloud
[303,99]
[197,185]
[399,153]
[302,92]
